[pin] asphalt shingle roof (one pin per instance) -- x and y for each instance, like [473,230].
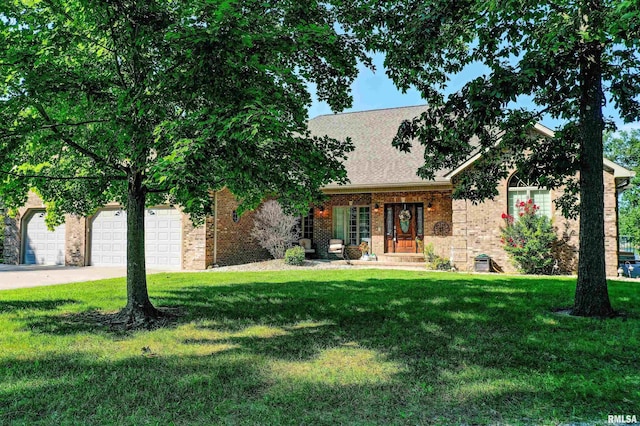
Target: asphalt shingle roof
[374,162]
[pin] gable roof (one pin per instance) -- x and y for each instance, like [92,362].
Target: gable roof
[375,163]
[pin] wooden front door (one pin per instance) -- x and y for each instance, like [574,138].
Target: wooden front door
[402,226]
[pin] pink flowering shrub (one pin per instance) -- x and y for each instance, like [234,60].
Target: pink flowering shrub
[528,239]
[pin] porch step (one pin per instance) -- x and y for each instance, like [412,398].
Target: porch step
[401,258]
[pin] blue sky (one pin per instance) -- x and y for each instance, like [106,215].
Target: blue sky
[375,90]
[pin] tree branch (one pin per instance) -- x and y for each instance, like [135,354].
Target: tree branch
[157,191]
[115,53]
[109,177]
[74,145]
[50,126]
[161,190]
[80,123]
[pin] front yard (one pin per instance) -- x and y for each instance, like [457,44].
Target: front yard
[320,347]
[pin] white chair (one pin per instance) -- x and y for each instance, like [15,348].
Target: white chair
[305,243]
[336,247]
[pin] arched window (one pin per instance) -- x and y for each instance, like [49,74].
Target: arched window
[520,188]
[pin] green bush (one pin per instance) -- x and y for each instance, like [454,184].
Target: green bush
[434,261]
[294,256]
[529,239]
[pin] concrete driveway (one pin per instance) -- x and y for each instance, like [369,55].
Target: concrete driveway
[21,276]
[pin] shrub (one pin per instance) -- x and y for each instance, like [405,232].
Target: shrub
[294,256]
[529,239]
[434,261]
[275,230]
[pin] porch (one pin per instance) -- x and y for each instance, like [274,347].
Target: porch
[394,225]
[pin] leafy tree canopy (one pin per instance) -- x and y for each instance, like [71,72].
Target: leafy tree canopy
[185,96]
[624,148]
[569,58]
[147,102]
[533,49]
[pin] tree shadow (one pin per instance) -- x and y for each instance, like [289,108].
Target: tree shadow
[96,320]
[460,350]
[38,305]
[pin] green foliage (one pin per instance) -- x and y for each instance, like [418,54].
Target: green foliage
[294,256]
[317,347]
[434,261]
[2,217]
[187,97]
[151,102]
[529,239]
[569,58]
[624,148]
[537,49]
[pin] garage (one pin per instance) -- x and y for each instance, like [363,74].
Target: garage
[163,238]
[42,246]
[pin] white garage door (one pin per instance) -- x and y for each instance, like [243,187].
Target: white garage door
[41,246]
[109,238]
[163,238]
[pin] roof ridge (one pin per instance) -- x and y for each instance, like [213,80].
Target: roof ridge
[367,110]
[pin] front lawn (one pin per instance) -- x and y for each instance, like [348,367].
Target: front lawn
[320,347]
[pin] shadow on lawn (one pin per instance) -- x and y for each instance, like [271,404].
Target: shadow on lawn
[234,387]
[454,349]
[39,305]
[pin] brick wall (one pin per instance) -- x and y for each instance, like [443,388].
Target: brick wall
[323,221]
[76,240]
[194,245]
[234,242]
[196,253]
[476,230]
[13,237]
[75,228]
[440,212]
[11,254]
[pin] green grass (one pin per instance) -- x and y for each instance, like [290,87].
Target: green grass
[320,347]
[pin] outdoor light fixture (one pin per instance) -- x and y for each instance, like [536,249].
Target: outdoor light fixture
[376,206]
[429,206]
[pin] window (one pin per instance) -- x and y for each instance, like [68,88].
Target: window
[306,225]
[352,224]
[522,189]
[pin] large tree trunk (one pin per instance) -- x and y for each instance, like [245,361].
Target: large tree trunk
[592,297]
[139,309]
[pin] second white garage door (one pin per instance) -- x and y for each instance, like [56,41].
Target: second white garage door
[163,238]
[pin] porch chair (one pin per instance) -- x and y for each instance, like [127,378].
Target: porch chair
[336,247]
[305,243]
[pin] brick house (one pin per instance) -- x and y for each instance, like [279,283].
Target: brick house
[384,189]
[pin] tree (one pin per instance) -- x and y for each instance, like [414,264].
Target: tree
[557,54]
[624,148]
[146,102]
[2,236]
[274,229]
